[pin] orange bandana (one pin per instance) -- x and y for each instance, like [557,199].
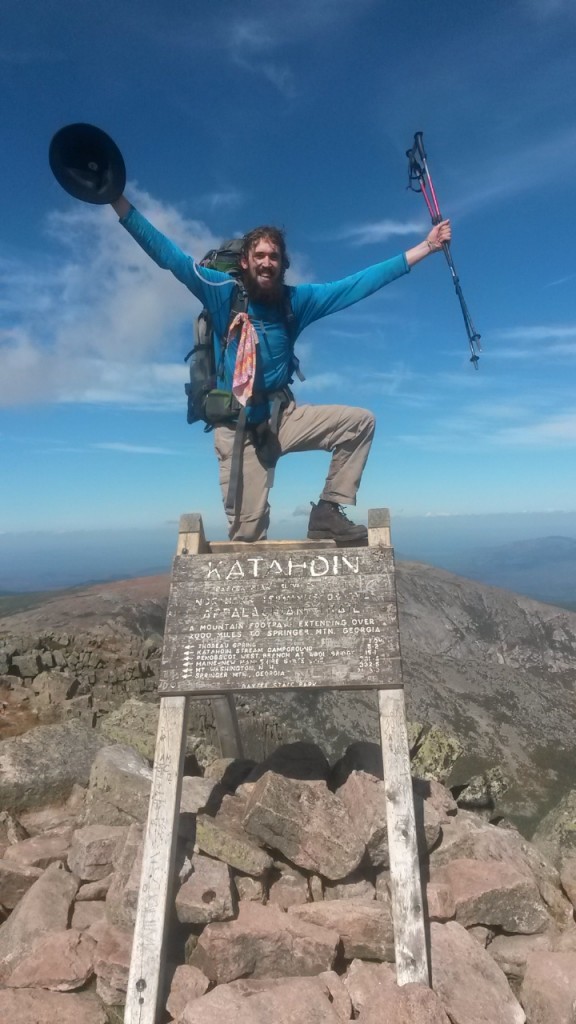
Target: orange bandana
[245,366]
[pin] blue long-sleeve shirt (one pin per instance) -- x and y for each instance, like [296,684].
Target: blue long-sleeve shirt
[214,289]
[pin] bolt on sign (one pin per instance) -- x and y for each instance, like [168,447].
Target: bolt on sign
[289,619]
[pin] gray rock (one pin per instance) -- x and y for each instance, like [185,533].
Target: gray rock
[495,894]
[207,894]
[231,845]
[288,888]
[307,823]
[120,778]
[305,1000]
[364,926]
[28,1005]
[364,797]
[44,908]
[471,986]
[367,983]
[15,880]
[66,753]
[92,850]
[62,961]
[511,952]
[112,964]
[188,984]
[416,1004]
[52,688]
[548,991]
[122,895]
[134,724]
[556,833]
[434,751]
[262,942]
[26,666]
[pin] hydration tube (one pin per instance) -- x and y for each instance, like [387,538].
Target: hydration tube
[212,284]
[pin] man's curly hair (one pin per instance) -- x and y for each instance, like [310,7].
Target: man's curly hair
[274,235]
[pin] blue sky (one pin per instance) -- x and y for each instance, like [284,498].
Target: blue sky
[229,115]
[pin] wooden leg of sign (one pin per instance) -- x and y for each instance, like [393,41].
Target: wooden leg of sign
[154,901]
[405,881]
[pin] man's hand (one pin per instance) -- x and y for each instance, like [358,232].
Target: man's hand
[433,242]
[440,234]
[121,205]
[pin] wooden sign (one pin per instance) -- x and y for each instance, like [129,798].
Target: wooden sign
[282,619]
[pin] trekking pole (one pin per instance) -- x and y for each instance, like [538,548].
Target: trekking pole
[419,180]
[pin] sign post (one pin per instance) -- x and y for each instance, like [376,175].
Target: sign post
[276,615]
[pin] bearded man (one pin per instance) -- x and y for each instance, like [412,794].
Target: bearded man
[258,365]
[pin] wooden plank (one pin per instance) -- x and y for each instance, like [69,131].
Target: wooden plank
[379,528]
[146,965]
[405,881]
[239,547]
[191,539]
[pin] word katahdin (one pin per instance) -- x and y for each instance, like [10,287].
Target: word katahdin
[260,568]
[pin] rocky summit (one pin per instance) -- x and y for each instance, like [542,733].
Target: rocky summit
[281,906]
[278,914]
[490,675]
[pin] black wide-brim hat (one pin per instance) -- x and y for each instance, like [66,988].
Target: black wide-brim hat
[87,163]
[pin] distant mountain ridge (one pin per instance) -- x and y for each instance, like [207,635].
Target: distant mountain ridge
[496,668]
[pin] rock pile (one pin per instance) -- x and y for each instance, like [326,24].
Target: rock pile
[57,676]
[282,906]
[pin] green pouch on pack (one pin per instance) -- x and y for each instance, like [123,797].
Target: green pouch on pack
[221,407]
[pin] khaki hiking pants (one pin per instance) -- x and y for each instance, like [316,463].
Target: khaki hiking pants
[345,431]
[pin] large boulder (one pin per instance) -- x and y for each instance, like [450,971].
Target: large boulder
[307,823]
[119,791]
[364,926]
[62,961]
[496,894]
[31,1005]
[306,1000]
[264,941]
[548,991]
[65,753]
[44,909]
[471,986]
[556,833]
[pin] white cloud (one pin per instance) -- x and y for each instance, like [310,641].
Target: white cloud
[537,342]
[133,449]
[555,431]
[226,198]
[377,231]
[102,312]
[551,158]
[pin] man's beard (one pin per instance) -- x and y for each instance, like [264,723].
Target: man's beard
[263,296]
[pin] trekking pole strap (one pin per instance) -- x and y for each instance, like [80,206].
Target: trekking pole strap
[236,463]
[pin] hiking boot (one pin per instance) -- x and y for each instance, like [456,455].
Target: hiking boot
[328,522]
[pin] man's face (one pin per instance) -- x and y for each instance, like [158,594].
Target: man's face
[263,270]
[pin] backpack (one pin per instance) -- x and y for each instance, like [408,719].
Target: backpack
[206,402]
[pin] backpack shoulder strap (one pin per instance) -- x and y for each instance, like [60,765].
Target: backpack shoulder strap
[291,329]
